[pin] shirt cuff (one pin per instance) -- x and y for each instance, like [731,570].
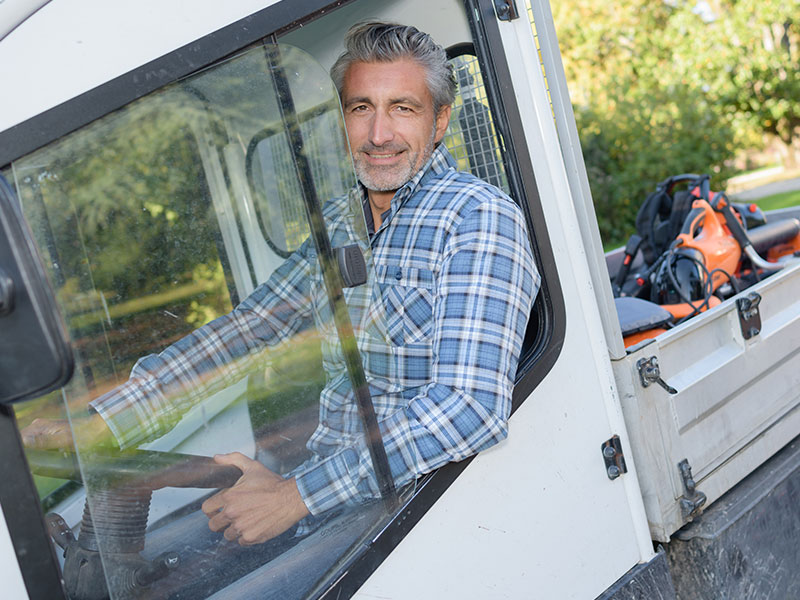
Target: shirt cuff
[123,413]
[331,483]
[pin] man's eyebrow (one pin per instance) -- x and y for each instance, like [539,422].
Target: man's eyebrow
[407,100]
[401,100]
[357,100]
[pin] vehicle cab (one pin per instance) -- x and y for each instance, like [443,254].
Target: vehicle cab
[166,159]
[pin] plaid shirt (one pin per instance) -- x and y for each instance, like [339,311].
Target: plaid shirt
[439,325]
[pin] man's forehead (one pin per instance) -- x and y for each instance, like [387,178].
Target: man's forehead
[401,79]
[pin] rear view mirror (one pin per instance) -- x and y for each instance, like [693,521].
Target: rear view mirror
[35,355]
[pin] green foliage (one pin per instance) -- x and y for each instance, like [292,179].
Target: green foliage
[752,50]
[640,119]
[661,88]
[123,213]
[133,177]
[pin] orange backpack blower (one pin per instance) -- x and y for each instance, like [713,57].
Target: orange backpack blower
[695,248]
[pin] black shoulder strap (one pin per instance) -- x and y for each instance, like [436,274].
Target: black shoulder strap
[655,209]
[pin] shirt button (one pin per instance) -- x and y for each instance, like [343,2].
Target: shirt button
[398,275]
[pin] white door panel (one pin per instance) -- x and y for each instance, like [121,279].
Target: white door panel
[535,507]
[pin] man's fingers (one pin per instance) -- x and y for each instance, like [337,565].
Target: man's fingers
[247,541]
[213,504]
[218,522]
[231,534]
[237,459]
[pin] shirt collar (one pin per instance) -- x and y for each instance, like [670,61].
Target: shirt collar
[439,162]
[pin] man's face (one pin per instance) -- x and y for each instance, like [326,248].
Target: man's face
[389,116]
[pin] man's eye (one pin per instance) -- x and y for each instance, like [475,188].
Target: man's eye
[359,108]
[404,109]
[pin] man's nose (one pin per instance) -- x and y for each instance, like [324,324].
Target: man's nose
[381,130]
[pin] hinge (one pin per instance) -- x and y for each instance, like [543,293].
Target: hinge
[613,457]
[693,499]
[506,10]
[749,317]
[650,372]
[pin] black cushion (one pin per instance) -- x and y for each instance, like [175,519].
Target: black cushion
[637,315]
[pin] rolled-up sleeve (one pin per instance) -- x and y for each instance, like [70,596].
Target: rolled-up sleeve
[163,387]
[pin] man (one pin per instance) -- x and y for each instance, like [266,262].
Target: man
[456,280]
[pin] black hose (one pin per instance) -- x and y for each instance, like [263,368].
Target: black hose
[708,291]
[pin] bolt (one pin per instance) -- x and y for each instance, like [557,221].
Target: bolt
[609,452]
[613,472]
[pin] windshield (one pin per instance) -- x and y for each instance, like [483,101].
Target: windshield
[202,243]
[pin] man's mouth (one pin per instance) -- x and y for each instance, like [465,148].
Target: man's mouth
[380,155]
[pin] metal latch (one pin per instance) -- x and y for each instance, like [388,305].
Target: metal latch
[649,372]
[749,317]
[612,455]
[693,499]
[506,10]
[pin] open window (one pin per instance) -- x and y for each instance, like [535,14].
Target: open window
[474,138]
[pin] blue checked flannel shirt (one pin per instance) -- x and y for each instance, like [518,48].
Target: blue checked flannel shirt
[439,326]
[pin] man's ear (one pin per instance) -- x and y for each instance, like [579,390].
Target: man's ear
[442,121]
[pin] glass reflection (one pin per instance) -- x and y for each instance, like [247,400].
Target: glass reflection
[155,221]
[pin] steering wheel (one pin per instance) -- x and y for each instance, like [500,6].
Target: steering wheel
[142,469]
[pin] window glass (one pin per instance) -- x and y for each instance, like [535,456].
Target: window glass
[155,221]
[275,189]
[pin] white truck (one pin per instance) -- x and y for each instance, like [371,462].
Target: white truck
[161,159]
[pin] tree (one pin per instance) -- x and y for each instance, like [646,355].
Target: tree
[748,51]
[639,117]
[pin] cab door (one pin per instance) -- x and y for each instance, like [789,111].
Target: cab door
[154,221]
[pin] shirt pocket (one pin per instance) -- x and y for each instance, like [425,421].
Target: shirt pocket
[407,295]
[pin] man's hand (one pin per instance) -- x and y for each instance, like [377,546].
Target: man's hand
[56,434]
[260,506]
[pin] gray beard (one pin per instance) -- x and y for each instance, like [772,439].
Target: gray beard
[380,179]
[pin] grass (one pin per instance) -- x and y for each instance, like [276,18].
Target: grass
[782,200]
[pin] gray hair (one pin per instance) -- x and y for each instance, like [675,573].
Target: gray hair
[375,41]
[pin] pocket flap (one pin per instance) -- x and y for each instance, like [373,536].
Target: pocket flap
[404,276]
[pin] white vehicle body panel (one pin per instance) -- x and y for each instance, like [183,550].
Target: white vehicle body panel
[13,586]
[90,42]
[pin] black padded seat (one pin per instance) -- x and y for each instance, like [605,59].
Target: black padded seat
[637,315]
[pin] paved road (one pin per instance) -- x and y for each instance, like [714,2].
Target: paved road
[776,187]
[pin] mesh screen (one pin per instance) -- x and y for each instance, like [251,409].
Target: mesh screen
[471,137]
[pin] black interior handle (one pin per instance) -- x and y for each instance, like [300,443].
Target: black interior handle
[6,294]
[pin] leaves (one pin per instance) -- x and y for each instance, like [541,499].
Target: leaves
[661,88]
